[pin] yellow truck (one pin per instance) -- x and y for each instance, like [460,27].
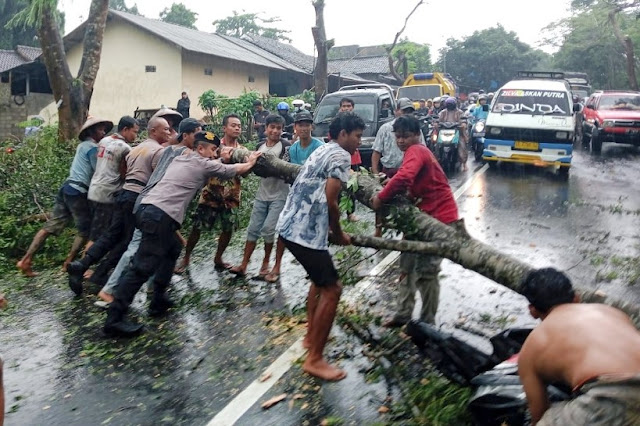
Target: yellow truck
[427,85]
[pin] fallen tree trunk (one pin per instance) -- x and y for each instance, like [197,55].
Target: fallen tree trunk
[431,236]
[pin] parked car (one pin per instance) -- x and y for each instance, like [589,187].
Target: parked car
[611,116]
[374,103]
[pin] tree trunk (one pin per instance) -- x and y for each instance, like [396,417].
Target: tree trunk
[627,45]
[75,93]
[432,236]
[321,71]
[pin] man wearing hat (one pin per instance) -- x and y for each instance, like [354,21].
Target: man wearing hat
[160,215]
[71,201]
[174,118]
[116,240]
[298,154]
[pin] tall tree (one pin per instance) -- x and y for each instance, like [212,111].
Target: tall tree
[321,71]
[615,11]
[488,58]
[12,35]
[240,24]
[73,93]
[179,14]
[121,6]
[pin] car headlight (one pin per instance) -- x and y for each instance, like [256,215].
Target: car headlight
[562,135]
[479,127]
[608,123]
[496,130]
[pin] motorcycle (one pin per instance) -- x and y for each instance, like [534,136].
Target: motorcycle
[477,138]
[445,145]
[498,397]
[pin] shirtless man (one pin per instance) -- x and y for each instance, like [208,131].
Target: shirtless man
[593,348]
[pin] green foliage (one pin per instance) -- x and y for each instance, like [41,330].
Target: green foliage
[30,175]
[179,14]
[121,6]
[238,25]
[217,106]
[487,59]
[437,402]
[11,36]
[587,43]
[418,56]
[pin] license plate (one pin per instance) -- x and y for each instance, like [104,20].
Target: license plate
[527,146]
[478,135]
[633,131]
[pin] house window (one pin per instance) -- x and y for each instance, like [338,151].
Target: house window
[252,79]
[150,68]
[208,71]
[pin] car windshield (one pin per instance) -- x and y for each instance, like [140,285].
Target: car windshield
[614,102]
[532,102]
[415,93]
[328,108]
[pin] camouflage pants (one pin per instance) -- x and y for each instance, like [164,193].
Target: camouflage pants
[609,401]
[421,274]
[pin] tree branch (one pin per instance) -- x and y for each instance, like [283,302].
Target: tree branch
[389,49]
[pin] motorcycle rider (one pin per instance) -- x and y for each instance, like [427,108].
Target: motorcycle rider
[452,114]
[298,106]
[478,112]
[422,109]
[283,110]
[436,105]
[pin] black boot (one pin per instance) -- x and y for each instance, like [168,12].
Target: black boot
[117,325]
[76,270]
[160,304]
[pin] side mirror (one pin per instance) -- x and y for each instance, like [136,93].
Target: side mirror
[485,108]
[591,106]
[577,107]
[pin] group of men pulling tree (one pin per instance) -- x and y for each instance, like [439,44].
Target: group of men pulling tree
[128,205]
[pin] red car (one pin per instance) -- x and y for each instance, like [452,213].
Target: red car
[611,116]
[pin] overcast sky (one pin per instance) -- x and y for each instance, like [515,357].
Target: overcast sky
[360,22]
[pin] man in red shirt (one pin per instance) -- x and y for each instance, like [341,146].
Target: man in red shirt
[422,179]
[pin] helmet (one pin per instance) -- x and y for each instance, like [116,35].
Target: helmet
[307,105]
[430,100]
[297,103]
[437,100]
[450,103]
[283,106]
[481,91]
[481,97]
[490,95]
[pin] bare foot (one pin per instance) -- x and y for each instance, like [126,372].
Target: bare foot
[353,218]
[272,276]
[105,296]
[182,266]
[65,264]
[87,274]
[223,266]
[464,167]
[264,270]
[25,268]
[324,370]
[238,270]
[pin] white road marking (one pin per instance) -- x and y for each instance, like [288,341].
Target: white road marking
[245,399]
[248,397]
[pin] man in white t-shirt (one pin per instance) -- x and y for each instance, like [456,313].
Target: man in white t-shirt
[111,168]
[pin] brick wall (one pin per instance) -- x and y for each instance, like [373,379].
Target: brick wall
[12,114]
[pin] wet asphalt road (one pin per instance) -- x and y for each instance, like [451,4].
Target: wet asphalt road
[188,367]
